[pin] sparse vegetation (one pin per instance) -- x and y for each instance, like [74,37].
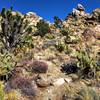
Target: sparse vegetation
[62,56]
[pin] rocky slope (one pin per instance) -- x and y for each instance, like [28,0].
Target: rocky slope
[64,64]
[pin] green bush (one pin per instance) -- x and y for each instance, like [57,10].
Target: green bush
[43,28]
[57,22]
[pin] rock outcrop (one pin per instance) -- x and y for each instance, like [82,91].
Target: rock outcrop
[33,18]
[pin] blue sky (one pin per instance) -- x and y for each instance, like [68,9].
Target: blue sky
[49,8]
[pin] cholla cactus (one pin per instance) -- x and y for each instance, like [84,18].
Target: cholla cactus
[12,25]
[6,63]
[86,64]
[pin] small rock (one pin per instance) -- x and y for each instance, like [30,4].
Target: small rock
[80,7]
[75,12]
[89,36]
[59,82]
[42,83]
[68,80]
[49,43]
[74,77]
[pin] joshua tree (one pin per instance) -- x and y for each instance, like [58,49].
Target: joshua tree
[13,26]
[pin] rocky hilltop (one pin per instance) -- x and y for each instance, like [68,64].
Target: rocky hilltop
[44,61]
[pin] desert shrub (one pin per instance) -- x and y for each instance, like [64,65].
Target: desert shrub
[39,67]
[88,94]
[69,68]
[60,46]
[12,95]
[2,94]
[50,36]
[70,37]
[68,49]
[65,31]
[24,84]
[13,26]
[98,64]
[52,27]
[28,41]
[43,28]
